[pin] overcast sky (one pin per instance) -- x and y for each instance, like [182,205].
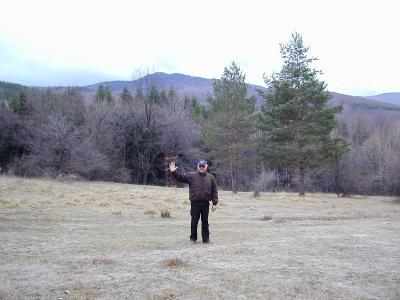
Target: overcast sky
[75,42]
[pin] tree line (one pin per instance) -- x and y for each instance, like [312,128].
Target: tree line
[294,141]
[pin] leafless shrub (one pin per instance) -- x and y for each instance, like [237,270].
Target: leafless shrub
[69,177]
[26,166]
[123,175]
[117,213]
[263,182]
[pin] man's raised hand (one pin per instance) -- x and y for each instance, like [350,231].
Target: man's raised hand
[172,166]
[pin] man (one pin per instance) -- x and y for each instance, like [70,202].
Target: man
[202,190]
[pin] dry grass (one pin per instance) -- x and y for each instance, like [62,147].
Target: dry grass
[97,241]
[102,261]
[175,263]
[266,218]
[150,212]
[165,213]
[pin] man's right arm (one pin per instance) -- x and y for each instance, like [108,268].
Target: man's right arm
[178,176]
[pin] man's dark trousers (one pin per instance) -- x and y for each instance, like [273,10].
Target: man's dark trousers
[200,209]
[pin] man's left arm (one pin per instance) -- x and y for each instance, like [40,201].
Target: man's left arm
[214,191]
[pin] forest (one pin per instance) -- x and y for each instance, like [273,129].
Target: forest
[295,140]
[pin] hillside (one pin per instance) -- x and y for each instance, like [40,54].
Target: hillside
[355,102]
[393,98]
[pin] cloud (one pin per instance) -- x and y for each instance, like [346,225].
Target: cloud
[19,64]
[80,42]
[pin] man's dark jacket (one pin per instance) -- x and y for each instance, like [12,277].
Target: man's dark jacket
[202,186]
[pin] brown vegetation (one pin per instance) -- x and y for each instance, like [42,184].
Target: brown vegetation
[175,262]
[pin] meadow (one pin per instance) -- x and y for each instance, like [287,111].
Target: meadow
[101,240]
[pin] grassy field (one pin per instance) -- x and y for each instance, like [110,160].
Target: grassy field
[95,240]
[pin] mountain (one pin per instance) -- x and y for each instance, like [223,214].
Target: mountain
[184,85]
[355,102]
[393,98]
[199,87]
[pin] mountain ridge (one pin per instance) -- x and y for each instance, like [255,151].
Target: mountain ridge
[199,87]
[393,98]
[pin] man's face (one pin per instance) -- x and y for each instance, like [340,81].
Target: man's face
[202,168]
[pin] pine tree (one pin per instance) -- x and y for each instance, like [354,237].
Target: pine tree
[229,122]
[193,105]
[296,116]
[23,107]
[126,95]
[14,103]
[104,94]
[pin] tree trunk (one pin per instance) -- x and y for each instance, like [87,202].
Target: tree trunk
[301,179]
[233,183]
[3,166]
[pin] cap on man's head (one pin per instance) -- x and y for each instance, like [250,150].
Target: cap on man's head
[202,162]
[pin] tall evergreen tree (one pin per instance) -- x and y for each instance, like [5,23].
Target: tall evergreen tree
[195,108]
[14,103]
[229,122]
[19,105]
[126,95]
[296,116]
[104,94]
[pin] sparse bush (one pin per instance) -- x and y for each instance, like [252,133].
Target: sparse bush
[266,218]
[279,220]
[175,263]
[69,177]
[266,180]
[165,213]
[102,261]
[123,175]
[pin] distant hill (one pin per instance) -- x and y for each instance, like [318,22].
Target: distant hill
[393,98]
[184,85]
[355,102]
[202,87]
[9,90]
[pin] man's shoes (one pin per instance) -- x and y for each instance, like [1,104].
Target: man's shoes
[207,242]
[193,241]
